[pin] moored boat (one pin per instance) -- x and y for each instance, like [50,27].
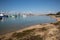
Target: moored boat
[2,15]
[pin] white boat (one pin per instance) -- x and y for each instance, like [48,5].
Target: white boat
[13,16]
[24,16]
[1,15]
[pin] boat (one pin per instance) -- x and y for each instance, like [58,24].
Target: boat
[24,16]
[2,15]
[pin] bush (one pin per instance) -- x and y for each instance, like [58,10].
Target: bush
[57,23]
[33,37]
[10,39]
[43,29]
[23,34]
[37,37]
[58,13]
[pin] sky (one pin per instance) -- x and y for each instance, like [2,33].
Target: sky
[30,6]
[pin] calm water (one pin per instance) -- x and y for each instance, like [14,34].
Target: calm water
[12,24]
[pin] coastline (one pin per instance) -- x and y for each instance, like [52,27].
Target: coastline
[49,26]
[57,18]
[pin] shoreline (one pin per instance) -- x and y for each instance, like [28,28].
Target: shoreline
[32,26]
[49,26]
[26,27]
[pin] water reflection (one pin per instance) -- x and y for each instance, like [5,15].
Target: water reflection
[8,24]
[2,19]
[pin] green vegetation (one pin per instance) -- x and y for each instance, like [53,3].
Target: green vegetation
[58,13]
[51,14]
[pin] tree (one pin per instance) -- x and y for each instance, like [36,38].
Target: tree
[58,13]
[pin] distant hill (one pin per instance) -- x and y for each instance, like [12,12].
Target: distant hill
[58,13]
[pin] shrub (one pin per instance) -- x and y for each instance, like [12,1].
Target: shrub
[42,29]
[57,23]
[23,34]
[37,37]
[33,37]
[58,13]
[9,39]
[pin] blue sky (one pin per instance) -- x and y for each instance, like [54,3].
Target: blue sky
[35,6]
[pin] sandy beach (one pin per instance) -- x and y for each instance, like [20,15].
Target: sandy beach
[47,31]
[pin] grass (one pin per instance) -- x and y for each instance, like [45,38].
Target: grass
[9,39]
[33,37]
[36,37]
[22,34]
[57,23]
[26,35]
[42,29]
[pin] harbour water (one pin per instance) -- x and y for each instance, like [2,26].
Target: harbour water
[13,24]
